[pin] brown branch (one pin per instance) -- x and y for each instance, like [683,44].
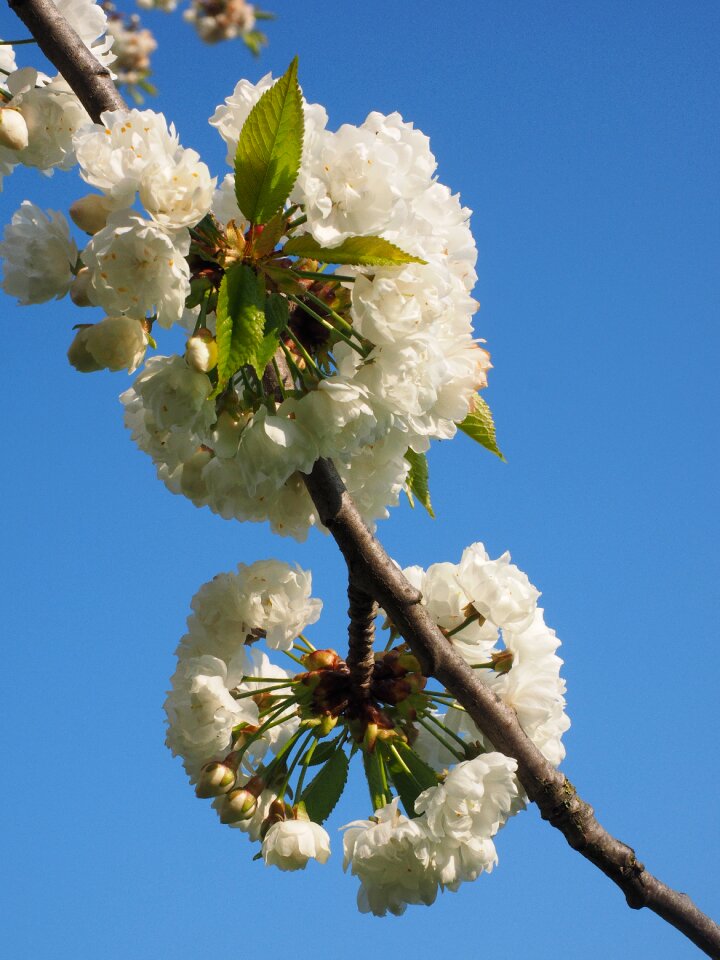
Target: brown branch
[371,571]
[91,82]
[362,611]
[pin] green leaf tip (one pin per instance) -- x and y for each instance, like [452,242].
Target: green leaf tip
[355,251]
[269,150]
[418,481]
[480,426]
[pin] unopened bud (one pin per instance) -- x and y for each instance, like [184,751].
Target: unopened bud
[13,129]
[79,288]
[78,353]
[327,723]
[321,660]
[237,805]
[91,212]
[201,352]
[215,778]
[408,662]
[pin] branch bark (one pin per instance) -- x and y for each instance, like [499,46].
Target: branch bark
[372,572]
[362,611]
[91,82]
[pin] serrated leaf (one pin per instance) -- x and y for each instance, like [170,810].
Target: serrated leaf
[319,755]
[375,782]
[355,251]
[269,150]
[276,319]
[409,785]
[418,480]
[479,425]
[321,795]
[240,321]
[421,770]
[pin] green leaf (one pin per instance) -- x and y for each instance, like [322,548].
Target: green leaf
[479,425]
[240,321]
[321,795]
[266,241]
[355,251]
[320,754]
[276,319]
[374,777]
[421,770]
[409,782]
[417,482]
[269,150]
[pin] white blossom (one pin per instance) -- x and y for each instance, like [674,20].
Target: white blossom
[38,255]
[116,343]
[289,844]
[137,268]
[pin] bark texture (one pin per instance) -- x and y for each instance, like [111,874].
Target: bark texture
[375,578]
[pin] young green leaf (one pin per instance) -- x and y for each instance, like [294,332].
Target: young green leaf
[276,319]
[240,321]
[479,425]
[321,795]
[417,482]
[355,251]
[269,150]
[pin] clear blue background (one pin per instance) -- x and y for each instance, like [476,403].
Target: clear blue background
[585,139]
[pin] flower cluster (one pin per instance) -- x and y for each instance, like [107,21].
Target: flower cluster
[334,320]
[250,731]
[39,114]
[132,45]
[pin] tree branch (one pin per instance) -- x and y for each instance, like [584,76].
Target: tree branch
[362,611]
[372,571]
[90,81]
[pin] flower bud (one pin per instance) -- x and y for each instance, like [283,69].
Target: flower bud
[13,129]
[116,343]
[321,660]
[370,736]
[201,352]
[79,288]
[237,805]
[91,212]
[215,778]
[327,723]
[78,353]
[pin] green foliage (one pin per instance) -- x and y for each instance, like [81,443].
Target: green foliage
[374,776]
[418,481]
[269,149]
[319,755]
[355,251]
[321,795]
[276,319]
[240,321]
[479,425]
[409,773]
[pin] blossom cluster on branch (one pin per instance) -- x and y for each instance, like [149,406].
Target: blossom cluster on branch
[250,732]
[353,274]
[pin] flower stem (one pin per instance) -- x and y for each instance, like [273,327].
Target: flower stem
[440,739]
[450,733]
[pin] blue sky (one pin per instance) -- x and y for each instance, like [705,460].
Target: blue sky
[585,139]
